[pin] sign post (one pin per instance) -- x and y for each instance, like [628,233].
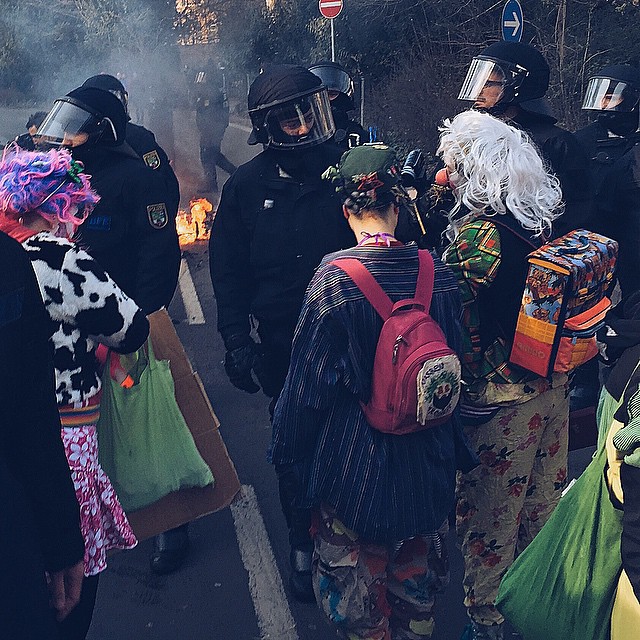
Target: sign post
[330,9]
[512,21]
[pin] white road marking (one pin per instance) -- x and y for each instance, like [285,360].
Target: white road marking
[265,584]
[189,295]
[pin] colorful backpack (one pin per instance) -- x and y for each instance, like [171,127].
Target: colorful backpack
[564,302]
[416,377]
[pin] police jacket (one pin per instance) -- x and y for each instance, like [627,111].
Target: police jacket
[269,234]
[619,217]
[568,161]
[144,143]
[603,151]
[132,231]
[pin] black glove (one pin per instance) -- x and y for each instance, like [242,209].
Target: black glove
[240,361]
[25,141]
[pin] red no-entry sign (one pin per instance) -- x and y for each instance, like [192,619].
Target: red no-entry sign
[330,8]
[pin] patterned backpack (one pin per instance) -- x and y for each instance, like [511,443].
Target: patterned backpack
[416,377]
[564,302]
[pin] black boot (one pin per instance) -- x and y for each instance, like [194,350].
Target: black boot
[300,580]
[170,550]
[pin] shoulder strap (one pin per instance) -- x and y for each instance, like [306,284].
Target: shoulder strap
[375,294]
[372,291]
[505,225]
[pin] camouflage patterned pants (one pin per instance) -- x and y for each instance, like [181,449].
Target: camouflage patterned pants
[375,592]
[504,502]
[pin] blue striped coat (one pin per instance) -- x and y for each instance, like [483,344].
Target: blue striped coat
[385,487]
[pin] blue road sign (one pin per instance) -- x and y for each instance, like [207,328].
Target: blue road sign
[512,21]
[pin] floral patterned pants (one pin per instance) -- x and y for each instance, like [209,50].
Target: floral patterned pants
[504,502]
[377,592]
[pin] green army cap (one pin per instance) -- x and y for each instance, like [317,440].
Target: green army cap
[367,177]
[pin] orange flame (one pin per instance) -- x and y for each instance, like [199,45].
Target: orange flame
[194,224]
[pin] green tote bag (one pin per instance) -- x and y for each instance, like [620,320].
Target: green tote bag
[145,446]
[562,586]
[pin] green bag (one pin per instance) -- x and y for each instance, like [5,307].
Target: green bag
[145,446]
[562,586]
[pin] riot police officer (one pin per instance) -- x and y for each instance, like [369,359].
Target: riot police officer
[131,231]
[140,139]
[611,143]
[276,220]
[509,80]
[339,85]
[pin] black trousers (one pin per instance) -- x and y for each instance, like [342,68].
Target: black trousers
[76,625]
[210,157]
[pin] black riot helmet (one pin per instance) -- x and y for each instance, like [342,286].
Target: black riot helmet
[289,108]
[614,93]
[110,84]
[338,82]
[84,117]
[507,73]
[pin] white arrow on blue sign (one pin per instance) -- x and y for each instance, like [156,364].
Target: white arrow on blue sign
[512,21]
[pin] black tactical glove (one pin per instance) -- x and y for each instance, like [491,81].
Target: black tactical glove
[242,358]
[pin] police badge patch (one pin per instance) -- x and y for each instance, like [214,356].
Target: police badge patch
[152,159]
[157,214]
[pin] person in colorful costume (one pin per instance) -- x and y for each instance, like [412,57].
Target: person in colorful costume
[44,197]
[380,500]
[515,421]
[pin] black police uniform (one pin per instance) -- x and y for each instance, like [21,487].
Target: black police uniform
[270,233]
[131,232]
[144,143]
[348,133]
[568,162]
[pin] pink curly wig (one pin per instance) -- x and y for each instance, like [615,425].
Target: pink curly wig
[43,183]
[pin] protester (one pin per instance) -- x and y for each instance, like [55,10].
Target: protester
[275,222]
[381,500]
[40,524]
[515,421]
[28,140]
[49,196]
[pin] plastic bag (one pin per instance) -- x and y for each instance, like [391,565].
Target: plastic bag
[562,586]
[145,446]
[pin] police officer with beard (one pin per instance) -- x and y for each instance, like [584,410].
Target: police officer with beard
[509,81]
[131,232]
[275,221]
[340,88]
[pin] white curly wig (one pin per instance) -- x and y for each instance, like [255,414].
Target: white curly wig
[499,170]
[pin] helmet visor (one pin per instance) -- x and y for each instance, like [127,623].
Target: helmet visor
[608,94]
[303,122]
[485,78]
[336,80]
[65,125]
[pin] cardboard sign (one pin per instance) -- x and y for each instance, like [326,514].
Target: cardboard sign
[187,504]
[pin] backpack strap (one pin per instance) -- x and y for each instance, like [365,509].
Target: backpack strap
[517,232]
[375,294]
[372,291]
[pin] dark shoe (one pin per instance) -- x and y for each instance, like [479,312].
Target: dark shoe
[170,550]
[300,581]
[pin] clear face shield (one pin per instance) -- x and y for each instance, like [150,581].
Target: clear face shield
[66,125]
[608,94]
[302,122]
[484,84]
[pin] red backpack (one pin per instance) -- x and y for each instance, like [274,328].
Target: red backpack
[416,377]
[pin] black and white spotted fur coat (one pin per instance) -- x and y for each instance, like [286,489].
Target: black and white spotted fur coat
[86,307]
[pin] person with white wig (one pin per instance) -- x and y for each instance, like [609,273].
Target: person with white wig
[505,204]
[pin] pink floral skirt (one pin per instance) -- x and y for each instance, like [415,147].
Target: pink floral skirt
[103,522]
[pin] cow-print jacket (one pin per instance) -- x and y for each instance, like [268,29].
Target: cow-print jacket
[86,307]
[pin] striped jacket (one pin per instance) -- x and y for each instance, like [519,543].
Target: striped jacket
[385,487]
